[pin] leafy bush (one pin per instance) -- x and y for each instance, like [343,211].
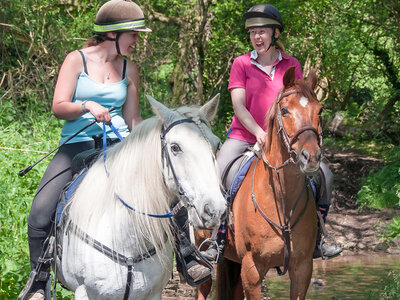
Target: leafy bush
[391,231]
[382,189]
[22,142]
[391,288]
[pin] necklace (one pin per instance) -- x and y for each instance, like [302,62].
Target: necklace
[108,76]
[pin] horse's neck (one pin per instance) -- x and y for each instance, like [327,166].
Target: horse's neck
[290,179]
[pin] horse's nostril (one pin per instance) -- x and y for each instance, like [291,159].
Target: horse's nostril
[207,209]
[305,154]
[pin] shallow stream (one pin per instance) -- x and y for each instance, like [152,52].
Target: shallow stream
[345,277]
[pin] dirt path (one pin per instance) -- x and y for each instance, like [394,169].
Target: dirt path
[356,230]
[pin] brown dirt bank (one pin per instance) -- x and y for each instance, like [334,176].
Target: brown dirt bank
[355,229]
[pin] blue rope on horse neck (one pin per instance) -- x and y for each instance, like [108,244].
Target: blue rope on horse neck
[167,215]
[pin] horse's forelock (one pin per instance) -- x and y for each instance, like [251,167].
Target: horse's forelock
[190,112]
[305,90]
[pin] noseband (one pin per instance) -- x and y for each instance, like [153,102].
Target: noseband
[287,141]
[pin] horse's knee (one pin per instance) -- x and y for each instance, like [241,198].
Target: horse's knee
[81,293]
[251,278]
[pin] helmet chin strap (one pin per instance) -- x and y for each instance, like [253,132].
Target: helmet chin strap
[273,39]
[116,39]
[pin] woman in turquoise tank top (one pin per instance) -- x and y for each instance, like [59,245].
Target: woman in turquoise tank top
[89,83]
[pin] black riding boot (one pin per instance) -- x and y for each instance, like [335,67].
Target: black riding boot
[323,248]
[215,251]
[38,281]
[188,264]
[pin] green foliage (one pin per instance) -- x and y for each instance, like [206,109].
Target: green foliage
[21,144]
[382,188]
[391,231]
[354,43]
[391,288]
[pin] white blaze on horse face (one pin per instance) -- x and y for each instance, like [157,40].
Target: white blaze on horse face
[303,101]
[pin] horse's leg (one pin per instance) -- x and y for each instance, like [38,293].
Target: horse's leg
[251,278]
[80,293]
[300,276]
[238,290]
[204,289]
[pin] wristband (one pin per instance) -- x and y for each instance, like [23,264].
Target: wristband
[83,106]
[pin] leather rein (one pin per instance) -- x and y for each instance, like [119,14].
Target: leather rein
[285,225]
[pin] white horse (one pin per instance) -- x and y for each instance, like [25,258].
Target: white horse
[108,238]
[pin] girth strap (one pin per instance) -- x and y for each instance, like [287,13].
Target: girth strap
[115,256]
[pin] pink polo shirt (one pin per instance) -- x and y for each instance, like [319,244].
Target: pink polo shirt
[261,88]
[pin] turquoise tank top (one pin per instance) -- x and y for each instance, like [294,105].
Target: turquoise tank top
[106,94]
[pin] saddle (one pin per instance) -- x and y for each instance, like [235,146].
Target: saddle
[235,172]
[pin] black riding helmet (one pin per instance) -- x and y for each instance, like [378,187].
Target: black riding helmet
[119,16]
[264,15]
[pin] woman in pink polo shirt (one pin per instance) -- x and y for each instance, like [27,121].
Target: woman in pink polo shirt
[255,80]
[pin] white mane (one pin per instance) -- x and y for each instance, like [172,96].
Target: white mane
[135,172]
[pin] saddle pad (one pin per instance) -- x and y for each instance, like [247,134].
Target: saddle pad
[67,193]
[240,174]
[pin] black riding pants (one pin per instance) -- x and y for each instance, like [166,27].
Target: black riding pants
[44,204]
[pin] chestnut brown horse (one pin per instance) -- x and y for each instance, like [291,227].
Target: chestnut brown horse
[274,213]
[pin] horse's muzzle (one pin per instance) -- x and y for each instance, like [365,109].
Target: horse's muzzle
[210,218]
[309,161]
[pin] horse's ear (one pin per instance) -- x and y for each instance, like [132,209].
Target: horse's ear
[312,79]
[159,109]
[210,108]
[289,77]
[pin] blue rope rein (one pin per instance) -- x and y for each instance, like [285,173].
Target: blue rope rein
[170,214]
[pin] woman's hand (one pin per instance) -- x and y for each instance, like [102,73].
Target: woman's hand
[101,113]
[261,136]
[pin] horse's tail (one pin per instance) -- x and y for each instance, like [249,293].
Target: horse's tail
[228,277]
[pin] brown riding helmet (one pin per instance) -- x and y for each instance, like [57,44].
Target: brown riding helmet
[120,16]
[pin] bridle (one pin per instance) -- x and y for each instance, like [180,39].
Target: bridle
[166,159]
[184,200]
[287,141]
[286,225]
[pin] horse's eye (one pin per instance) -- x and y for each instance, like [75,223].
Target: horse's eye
[175,148]
[284,111]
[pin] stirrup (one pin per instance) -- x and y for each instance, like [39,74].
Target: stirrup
[325,257]
[212,243]
[28,286]
[38,274]
[325,235]
[201,260]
